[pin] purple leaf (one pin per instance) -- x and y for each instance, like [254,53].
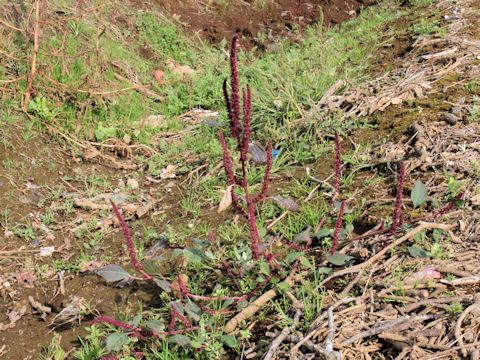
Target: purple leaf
[286,203]
[259,156]
[113,273]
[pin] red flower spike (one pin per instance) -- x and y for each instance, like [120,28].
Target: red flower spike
[338,227]
[227,99]
[338,163]
[235,98]
[242,135]
[130,245]
[397,218]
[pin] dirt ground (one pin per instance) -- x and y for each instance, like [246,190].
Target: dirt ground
[258,24]
[31,171]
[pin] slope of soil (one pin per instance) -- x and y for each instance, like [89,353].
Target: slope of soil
[259,22]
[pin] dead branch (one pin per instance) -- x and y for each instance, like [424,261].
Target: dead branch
[458,325]
[313,347]
[252,309]
[445,300]
[33,67]
[281,337]
[384,326]
[423,226]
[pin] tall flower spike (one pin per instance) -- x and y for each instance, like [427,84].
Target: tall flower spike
[227,99]
[397,218]
[227,160]
[247,110]
[338,227]
[338,163]
[130,245]
[235,97]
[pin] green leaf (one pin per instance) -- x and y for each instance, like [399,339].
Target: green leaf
[230,341]
[323,233]
[264,268]
[135,322]
[293,256]
[116,341]
[283,287]
[324,270]
[156,325]
[162,284]
[192,256]
[338,259]
[192,310]
[181,340]
[113,273]
[305,262]
[419,193]
[102,133]
[417,252]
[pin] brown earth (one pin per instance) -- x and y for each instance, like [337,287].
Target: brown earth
[214,21]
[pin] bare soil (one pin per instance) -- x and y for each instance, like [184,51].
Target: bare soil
[259,24]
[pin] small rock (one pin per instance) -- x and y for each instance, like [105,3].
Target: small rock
[451,119]
[456,111]
[132,184]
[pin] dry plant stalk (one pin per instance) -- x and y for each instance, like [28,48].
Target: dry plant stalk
[241,133]
[33,68]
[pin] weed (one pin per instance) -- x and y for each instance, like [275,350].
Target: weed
[241,134]
[428,26]
[47,217]
[455,309]
[24,232]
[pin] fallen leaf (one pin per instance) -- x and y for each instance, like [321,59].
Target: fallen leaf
[425,274]
[303,237]
[47,250]
[27,278]
[158,75]
[226,199]
[287,203]
[132,184]
[142,210]
[259,156]
[90,265]
[168,172]
[180,69]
